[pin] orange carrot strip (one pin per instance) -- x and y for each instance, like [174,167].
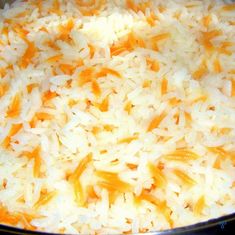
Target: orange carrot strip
[54,58]
[229,7]
[182,155]
[164,86]
[44,199]
[105,71]
[127,139]
[95,88]
[157,174]
[104,106]
[15,107]
[217,66]
[184,177]
[199,205]
[156,122]
[3,89]
[28,55]
[86,76]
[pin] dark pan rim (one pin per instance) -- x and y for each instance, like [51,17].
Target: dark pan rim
[220,221]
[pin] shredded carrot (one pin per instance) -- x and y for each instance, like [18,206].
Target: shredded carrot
[105,71]
[28,55]
[65,30]
[44,199]
[174,101]
[157,174]
[147,83]
[229,7]
[96,88]
[184,177]
[151,19]
[128,106]
[54,59]
[217,66]
[153,64]
[83,3]
[92,50]
[67,68]
[182,155]
[112,182]
[155,122]
[202,98]
[160,205]
[22,33]
[13,131]
[3,72]
[22,14]
[233,88]
[91,193]
[207,37]
[142,6]
[132,166]
[201,71]
[223,48]
[206,20]
[93,10]
[37,162]
[188,117]
[31,86]
[3,89]
[199,205]
[104,106]
[164,86]
[6,217]
[134,41]
[51,44]
[81,168]
[86,76]
[75,179]
[160,37]
[48,95]
[5,31]
[56,7]
[15,107]
[44,116]
[128,140]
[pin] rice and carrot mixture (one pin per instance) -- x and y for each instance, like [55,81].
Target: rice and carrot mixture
[116,116]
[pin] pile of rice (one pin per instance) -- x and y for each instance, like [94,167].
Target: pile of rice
[117,116]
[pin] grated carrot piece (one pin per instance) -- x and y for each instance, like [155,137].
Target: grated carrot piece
[55,7]
[5,31]
[44,116]
[44,199]
[206,20]
[105,71]
[117,50]
[128,106]
[3,72]
[92,11]
[174,101]
[201,71]
[96,88]
[182,155]
[54,59]
[155,122]
[48,95]
[112,182]
[160,37]
[22,14]
[233,88]
[132,166]
[15,107]
[104,106]
[160,205]
[188,117]
[4,87]
[44,29]
[134,41]
[65,30]
[81,168]
[147,83]
[13,131]
[83,3]
[28,55]
[91,193]
[158,176]
[199,205]
[37,161]
[153,64]
[202,98]
[6,217]
[223,48]
[67,69]
[229,7]
[86,76]
[207,37]
[31,86]
[52,44]
[164,86]
[22,33]
[217,66]
[127,140]
[92,50]
[75,179]
[184,177]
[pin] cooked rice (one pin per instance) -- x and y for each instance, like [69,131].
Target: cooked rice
[117,116]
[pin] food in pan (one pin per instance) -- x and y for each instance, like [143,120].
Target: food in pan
[116,116]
